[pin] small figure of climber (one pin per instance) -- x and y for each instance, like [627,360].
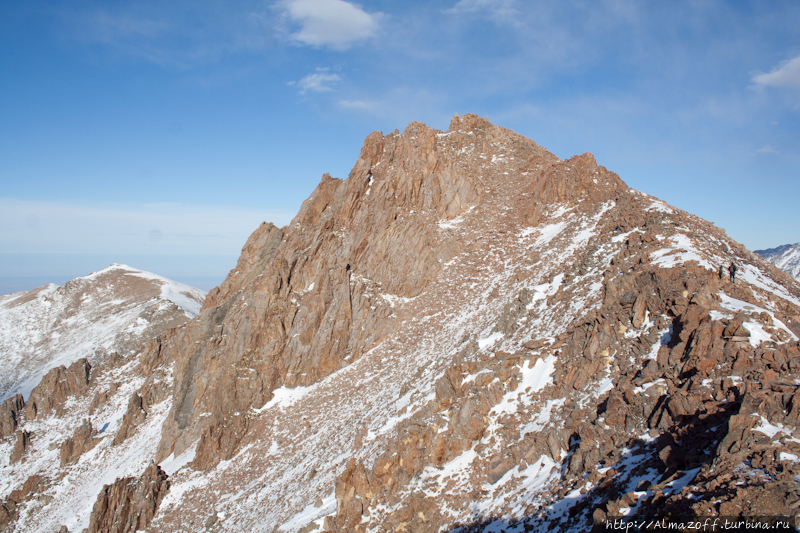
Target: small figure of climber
[732,271]
[721,272]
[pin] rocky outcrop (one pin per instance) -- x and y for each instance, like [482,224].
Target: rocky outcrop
[49,396]
[129,504]
[10,411]
[81,442]
[702,418]
[660,333]
[9,507]
[21,444]
[257,252]
[308,299]
[615,339]
[8,513]
[85,404]
[134,416]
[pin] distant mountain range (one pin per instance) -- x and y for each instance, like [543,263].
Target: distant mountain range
[786,257]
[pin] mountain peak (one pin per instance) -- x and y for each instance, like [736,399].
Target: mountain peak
[107,311]
[466,334]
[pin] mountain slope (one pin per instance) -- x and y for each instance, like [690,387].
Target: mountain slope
[786,257]
[463,283]
[108,311]
[466,334]
[69,370]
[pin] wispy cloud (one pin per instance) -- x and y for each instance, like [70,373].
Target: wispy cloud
[786,74]
[497,10]
[172,35]
[330,23]
[110,27]
[359,105]
[320,81]
[767,149]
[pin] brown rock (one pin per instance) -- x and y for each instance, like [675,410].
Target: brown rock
[49,395]
[9,414]
[81,442]
[32,484]
[129,504]
[638,311]
[8,512]
[21,444]
[134,415]
[219,442]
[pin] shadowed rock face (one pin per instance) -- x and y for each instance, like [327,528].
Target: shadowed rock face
[10,411]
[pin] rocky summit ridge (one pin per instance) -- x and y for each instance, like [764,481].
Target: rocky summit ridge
[466,334]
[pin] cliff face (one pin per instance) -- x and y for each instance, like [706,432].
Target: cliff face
[467,334]
[306,300]
[460,333]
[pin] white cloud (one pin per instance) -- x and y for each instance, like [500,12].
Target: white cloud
[319,81]
[333,23]
[786,74]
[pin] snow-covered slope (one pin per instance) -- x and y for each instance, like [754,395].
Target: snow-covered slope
[786,257]
[113,310]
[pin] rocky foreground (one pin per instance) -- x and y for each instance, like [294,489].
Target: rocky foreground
[467,334]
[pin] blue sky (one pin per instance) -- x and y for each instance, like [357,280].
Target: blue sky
[160,134]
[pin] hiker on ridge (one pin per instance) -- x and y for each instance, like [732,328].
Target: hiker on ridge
[732,271]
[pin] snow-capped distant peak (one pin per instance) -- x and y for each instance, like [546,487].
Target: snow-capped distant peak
[117,309]
[184,296]
[785,257]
